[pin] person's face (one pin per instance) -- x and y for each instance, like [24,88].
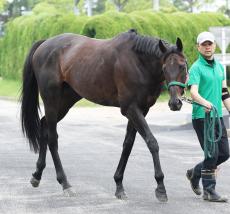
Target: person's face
[207,49]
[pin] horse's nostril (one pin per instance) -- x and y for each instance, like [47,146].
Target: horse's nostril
[175,104]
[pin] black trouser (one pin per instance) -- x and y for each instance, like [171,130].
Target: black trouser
[222,148]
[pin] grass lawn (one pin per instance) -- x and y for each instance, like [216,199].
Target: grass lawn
[11,89]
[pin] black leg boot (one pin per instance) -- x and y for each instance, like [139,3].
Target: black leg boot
[194,176]
[209,183]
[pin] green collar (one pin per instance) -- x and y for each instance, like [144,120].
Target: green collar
[204,62]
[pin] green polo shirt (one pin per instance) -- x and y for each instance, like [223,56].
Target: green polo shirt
[209,80]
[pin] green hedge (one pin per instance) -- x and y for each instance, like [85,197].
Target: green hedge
[164,25]
[23,31]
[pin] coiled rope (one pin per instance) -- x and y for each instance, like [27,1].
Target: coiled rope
[212,123]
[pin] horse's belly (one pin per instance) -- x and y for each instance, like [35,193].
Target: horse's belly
[97,93]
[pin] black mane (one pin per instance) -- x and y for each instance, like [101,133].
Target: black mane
[147,45]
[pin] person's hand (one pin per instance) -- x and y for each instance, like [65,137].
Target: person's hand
[208,106]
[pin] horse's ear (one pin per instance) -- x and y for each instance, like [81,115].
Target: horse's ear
[162,46]
[132,31]
[179,44]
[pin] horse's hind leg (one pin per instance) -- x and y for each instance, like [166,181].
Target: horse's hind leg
[56,108]
[127,147]
[69,98]
[41,162]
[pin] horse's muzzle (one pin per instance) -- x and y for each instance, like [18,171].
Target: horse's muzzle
[175,104]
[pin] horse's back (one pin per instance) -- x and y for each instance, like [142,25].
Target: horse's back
[86,64]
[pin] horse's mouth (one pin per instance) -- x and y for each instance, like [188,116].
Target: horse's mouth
[175,104]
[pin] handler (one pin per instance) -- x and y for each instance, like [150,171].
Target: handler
[208,88]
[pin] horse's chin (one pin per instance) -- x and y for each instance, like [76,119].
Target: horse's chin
[175,104]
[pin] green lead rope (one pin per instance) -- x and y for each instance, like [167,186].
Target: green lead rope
[210,137]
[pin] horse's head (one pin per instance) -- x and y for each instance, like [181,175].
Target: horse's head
[175,72]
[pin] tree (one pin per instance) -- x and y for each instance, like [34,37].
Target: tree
[132,5]
[185,5]
[16,7]
[2,4]
[61,4]
[99,7]
[120,4]
[226,8]
[76,10]
[189,5]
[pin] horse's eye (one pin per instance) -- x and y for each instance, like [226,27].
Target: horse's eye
[183,68]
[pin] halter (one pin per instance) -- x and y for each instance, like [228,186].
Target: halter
[182,85]
[172,83]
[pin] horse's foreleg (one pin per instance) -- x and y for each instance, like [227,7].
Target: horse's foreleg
[127,147]
[135,115]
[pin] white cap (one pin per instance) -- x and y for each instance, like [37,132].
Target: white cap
[205,36]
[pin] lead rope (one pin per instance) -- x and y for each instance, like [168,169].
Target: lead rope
[210,139]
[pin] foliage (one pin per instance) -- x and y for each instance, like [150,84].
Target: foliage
[120,4]
[167,26]
[189,5]
[100,7]
[60,5]
[23,31]
[110,6]
[136,5]
[2,4]
[185,5]
[45,8]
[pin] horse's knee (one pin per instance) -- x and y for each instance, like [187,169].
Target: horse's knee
[152,145]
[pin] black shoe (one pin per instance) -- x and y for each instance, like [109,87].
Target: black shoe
[194,182]
[213,196]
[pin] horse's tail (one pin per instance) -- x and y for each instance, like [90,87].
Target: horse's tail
[30,120]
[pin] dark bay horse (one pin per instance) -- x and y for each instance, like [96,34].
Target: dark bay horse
[126,71]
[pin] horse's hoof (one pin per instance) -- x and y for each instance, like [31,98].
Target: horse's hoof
[121,195]
[161,195]
[34,182]
[69,192]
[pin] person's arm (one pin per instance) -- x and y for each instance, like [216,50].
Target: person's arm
[199,99]
[225,96]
